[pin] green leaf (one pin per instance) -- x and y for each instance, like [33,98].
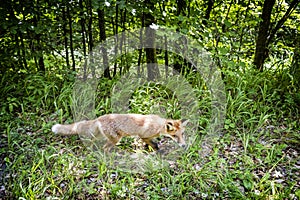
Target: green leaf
[227,23]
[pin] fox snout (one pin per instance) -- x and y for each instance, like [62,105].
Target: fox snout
[181,142]
[182,145]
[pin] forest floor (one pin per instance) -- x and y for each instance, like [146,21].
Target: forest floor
[36,164]
[256,156]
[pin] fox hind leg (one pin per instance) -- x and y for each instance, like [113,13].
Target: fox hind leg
[111,142]
[108,146]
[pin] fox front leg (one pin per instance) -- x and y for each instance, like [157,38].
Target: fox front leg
[151,143]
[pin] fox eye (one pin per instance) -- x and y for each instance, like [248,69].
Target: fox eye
[170,126]
[170,123]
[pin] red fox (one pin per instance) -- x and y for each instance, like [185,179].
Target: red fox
[115,126]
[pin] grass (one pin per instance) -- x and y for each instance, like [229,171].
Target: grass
[256,157]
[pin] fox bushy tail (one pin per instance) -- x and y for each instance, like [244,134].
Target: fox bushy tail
[64,129]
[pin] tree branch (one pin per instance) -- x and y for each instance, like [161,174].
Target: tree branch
[282,20]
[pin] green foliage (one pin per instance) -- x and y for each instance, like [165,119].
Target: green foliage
[246,162]
[32,41]
[155,98]
[35,93]
[256,155]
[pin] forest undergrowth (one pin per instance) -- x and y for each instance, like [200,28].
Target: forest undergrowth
[257,155]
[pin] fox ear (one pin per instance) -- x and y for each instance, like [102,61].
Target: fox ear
[184,122]
[170,126]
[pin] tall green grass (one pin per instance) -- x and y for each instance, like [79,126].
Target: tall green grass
[256,156]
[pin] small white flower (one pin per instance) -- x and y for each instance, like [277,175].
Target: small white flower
[257,192]
[164,13]
[204,195]
[133,11]
[107,3]
[154,26]
[277,174]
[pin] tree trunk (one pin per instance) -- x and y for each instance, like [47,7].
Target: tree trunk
[83,33]
[279,24]
[90,38]
[266,34]
[166,57]
[23,50]
[210,4]
[41,63]
[71,38]
[116,32]
[40,57]
[295,67]
[261,51]
[65,32]
[152,67]
[126,64]
[141,48]
[121,42]
[178,60]
[101,21]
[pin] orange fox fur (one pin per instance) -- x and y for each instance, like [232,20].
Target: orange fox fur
[116,126]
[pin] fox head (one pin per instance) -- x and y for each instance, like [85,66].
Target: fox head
[175,130]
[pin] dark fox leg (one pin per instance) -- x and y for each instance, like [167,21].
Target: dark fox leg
[111,142]
[151,143]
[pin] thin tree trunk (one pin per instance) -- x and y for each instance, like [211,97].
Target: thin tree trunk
[140,49]
[152,67]
[116,38]
[295,66]
[101,21]
[65,36]
[23,51]
[41,62]
[90,39]
[40,57]
[178,62]
[166,57]
[261,51]
[124,55]
[121,47]
[210,4]
[19,61]
[71,38]
[83,33]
